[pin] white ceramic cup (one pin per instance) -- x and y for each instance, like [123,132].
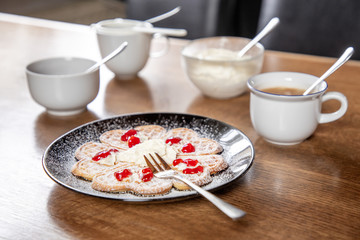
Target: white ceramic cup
[111,33]
[288,120]
[61,86]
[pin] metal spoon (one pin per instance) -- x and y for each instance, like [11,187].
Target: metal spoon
[167,31]
[268,28]
[164,15]
[107,58]
[176,32]
[343,59]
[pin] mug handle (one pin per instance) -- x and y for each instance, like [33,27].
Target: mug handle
[330,117]
[163,51]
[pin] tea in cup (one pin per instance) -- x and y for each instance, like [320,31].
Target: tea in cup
[111,33]
[281,114]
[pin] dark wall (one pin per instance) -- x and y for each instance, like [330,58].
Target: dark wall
[316,27]
[202,18]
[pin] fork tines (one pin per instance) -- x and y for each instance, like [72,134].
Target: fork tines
[158,166]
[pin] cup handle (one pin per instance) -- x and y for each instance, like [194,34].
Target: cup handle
[330,117]
[163,51]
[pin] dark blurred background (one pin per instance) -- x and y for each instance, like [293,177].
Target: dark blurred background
[318,27]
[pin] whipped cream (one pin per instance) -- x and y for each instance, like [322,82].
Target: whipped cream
[109,160]
[136,153]
[221,74]
[217,54]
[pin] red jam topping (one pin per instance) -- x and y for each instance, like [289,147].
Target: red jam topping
[147,175]
[177,161]
[128,134]
[191,163]
[104,154]
[188,148]
[193,170]
[133,141]
[173,140]
[121,175]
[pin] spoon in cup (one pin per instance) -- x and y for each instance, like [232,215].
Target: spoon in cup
[267,29]
[167,31]
[107,58]
[164,15]
[343,59]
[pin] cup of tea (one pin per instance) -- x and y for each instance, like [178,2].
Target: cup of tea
[111,33]
[281,114]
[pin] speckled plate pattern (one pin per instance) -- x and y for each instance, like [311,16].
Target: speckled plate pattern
[238,151]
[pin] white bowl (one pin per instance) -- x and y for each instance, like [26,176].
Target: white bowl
[61,86]
[212,65]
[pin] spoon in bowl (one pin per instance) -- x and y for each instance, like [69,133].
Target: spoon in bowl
[164,15]
[267,29]
[343,59]
[107,58]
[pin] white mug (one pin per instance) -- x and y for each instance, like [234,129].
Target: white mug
[288,120]
[111,33]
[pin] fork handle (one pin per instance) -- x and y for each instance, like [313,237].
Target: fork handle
[230,210]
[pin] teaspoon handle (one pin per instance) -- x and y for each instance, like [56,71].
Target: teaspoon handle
[268,28]
[108,57]
[343,59]
[163,16]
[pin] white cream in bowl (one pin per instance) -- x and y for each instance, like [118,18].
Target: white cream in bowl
[213,66]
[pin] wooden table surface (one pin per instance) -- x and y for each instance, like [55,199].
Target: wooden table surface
[307,191]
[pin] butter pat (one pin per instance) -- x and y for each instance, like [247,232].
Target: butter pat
[136,153]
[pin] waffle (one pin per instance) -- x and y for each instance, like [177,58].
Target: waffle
[151,131]
[87,168]
[215,163]
[107,182]
[184,133]
[203,146]
[88,150]
[199,179]
[102,175]
[113,137]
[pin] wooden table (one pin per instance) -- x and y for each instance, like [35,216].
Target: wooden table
[307,191]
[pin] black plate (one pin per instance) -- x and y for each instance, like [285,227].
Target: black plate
[238,151]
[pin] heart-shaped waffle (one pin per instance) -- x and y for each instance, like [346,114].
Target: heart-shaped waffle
[117,138]
[109,182]
[202,150]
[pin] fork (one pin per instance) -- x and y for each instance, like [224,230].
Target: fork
[162,170]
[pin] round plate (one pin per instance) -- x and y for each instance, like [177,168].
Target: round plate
[238,151]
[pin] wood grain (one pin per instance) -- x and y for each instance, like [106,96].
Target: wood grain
[307,191]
